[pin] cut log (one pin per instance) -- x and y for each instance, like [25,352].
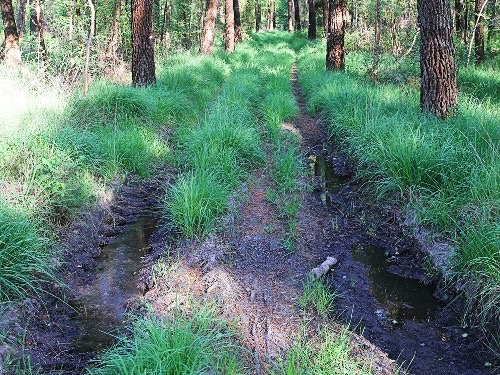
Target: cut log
[324,268]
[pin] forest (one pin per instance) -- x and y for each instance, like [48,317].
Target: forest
[249,187]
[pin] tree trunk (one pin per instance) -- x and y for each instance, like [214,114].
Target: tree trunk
[491,24]
[335,55]
[376,47]
[290,15]
[270,15]
[165,26]
[296,7]
[143,63]
[238,36]
[325,16]
[439,91]
[258,16]
[89,44]
[207,38]
[21,18]
[229,29]
[479,31]
[460,18]
[11,49]
[115,33]
[311,31]
[39,28]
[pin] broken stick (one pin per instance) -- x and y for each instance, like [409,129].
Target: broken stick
[324,267]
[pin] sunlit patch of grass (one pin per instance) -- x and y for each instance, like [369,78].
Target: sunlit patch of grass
[318,296]
[329,353]
[180,344]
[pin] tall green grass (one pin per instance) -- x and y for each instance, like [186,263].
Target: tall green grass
[445,171]
[182,344]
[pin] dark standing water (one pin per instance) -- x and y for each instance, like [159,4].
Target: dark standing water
[402,298]
[332,183]
[101,310]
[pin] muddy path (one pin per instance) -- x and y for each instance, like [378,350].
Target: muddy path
[379,276]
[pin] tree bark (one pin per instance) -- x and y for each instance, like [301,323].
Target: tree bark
[335,55]
[296,7]
[258,16]
[207,39]
[270,15]
[229,29]
[115,32]
[38,21]
[439,91]
[238,36]
[11,49]
[491,24]
[479,31]
[165,25]
[21,18]
[311,30]
[290,15]
[143,63]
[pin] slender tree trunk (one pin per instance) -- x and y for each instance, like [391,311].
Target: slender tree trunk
[335,55]
[186,41]
[270,15]
[21,18]
[479,31]
[258,16]
[296,7]
[311,30]
[11,49]
[376,46]
[491,24]
[39,28]
[89,45]
[165,26]
[115,33]
[290,15]
[229,29]
[207,39]
[143,63]
[238,36]
[460,18]
[325,16]
[439,91]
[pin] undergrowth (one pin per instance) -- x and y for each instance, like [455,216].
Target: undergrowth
[181,344]
[446,172]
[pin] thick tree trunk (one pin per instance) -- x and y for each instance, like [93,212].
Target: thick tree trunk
[439,91]
[258,16]
[207,38]
[11,49]
[479,31]
[335,55]
[290,15]
[311,30]
[21,18]
[238,35]
[296,7]
[229,29]
[143,63]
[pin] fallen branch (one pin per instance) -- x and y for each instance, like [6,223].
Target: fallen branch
[324,268]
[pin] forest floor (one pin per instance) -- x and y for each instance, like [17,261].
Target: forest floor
[257,282]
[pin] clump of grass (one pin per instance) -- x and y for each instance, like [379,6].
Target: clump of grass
[24,257]
[182,344]
[317,296]
[329,353]
[195,200]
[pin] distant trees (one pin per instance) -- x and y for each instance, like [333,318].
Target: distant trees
[11,50]
[143,64]
[439,91]
[335,55]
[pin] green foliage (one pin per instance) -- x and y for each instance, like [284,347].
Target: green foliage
[317,296]
[182,344]
[24,257]
[329,354]
[446,171]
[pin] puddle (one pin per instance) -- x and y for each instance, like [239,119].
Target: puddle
[101,311]
[401,298]
[331,181]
